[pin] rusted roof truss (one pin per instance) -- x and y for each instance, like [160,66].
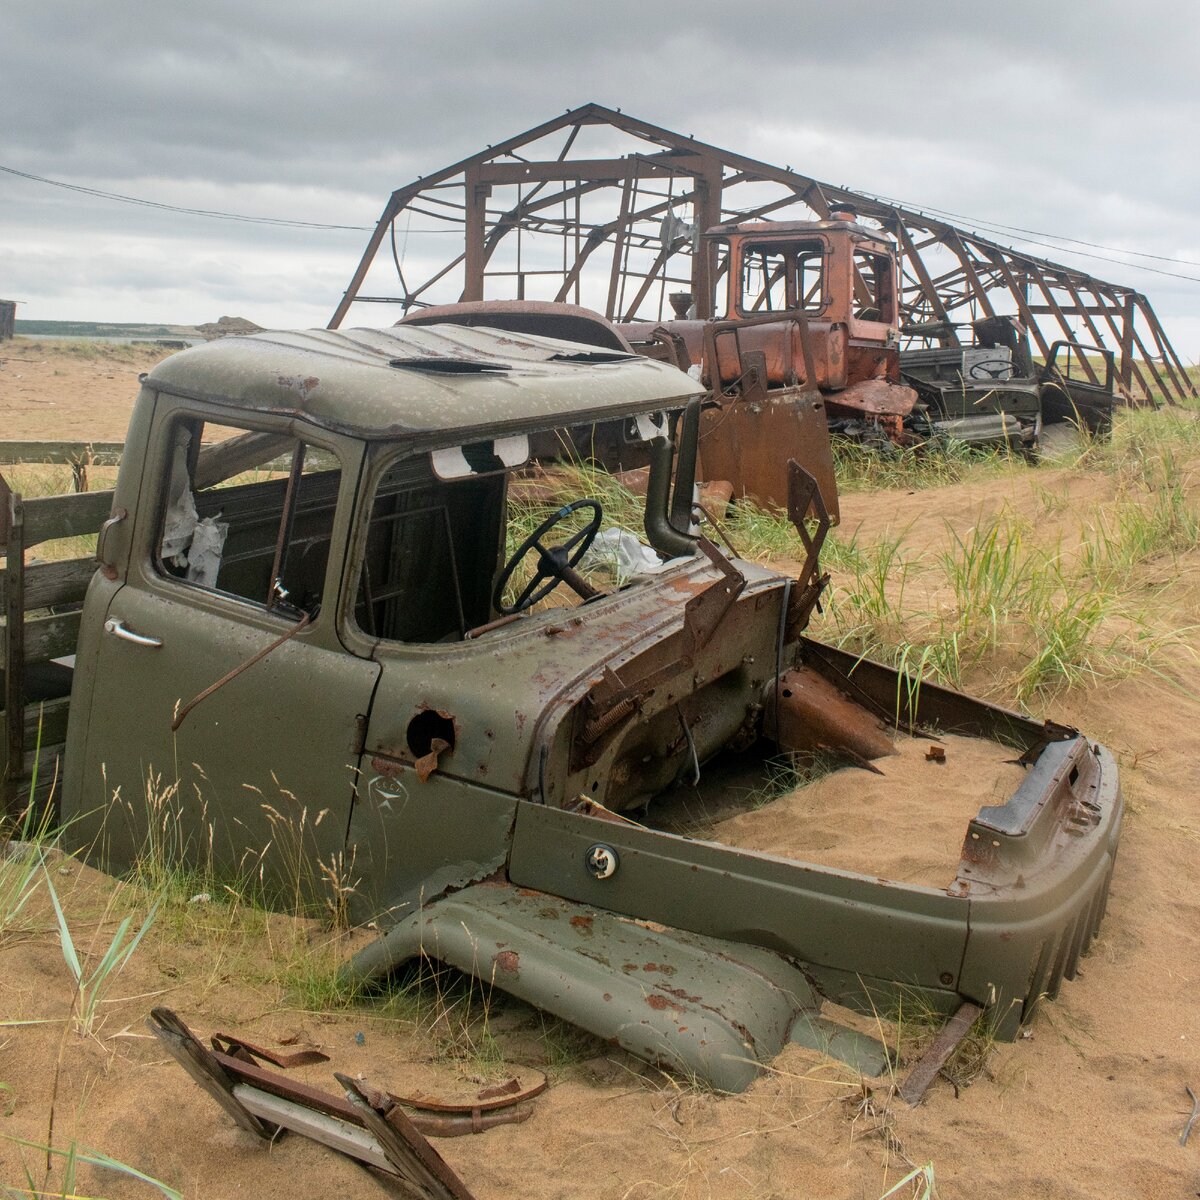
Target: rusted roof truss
[572,211]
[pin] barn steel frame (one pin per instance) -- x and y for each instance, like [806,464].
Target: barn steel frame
[600,208]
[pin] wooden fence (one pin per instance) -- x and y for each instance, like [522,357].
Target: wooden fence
[41,604]
[79,456]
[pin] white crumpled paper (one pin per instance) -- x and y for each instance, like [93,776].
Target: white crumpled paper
[625,556]
[204,554]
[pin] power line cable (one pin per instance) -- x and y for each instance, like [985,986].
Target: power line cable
[1058,237]
[1009,230]
[294,224]
[195,212]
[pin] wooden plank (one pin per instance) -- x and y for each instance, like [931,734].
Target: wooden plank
[92,454]
[242,453]
[14,651]
[51,583]
[46,722]
[50,517]
[200,1064]
[48,637]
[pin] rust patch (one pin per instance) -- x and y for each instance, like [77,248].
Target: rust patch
[681,994]
[662,968]
[301,386]
[583,924]
[508,961]
[660,1003]
[551,914]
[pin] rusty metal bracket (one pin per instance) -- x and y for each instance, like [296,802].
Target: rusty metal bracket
[237,1047]
[804,497]
[703,613]
[613,701]
[367,1125]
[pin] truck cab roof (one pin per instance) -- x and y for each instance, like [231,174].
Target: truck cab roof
[423,383]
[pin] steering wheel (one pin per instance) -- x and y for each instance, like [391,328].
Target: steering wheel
[556,564]
[990,368]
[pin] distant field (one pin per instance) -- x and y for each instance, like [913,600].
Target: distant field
[88,329]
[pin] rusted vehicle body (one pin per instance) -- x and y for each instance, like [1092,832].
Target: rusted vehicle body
[806,301]
[808,340]
[991,390]
[316,643]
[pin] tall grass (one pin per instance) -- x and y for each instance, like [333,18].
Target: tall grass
[22,865]
[998,612]
[93,982]
[865,469]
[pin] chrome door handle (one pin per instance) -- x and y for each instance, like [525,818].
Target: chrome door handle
[117,629]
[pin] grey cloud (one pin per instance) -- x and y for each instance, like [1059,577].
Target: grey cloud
[1071,118]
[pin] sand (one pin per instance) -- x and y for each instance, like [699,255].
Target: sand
[906,823]
[1090,1104]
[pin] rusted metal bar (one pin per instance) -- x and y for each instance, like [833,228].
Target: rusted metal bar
[1124,335]
[1182,383]
[958,246]
[283,541]
[614,277]
[601,170]
[1148,363]
[390,209]
[1018,294]
[1082,309]
[413,1158]
[928,290]
[1064,324]
[949,1037]
[708,214]
[476,194]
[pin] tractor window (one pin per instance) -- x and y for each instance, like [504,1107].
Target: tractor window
[810,279]
[248,514]
[783,277]
[874,293]
[764,280]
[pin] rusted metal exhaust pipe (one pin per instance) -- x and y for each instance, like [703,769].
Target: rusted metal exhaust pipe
[659,530]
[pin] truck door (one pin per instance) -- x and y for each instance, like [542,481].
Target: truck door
[237,548]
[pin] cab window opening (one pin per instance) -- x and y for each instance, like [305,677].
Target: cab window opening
[782,278]
[248,514]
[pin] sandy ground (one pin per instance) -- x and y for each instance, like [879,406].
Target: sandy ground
[1090,1104]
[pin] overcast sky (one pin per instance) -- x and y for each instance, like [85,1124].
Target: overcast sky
[1053,115]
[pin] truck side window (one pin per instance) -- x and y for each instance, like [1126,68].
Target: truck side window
[248,514]
[432,554]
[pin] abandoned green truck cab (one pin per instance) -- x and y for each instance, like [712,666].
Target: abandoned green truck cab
[316,644]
